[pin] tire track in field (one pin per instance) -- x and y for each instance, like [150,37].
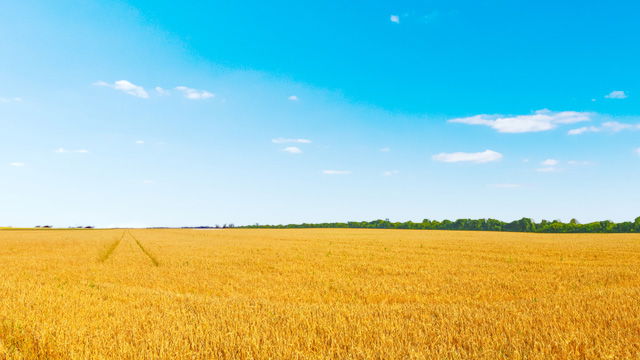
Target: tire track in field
[151,257]
[111,249]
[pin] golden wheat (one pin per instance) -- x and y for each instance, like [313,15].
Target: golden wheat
[317,294]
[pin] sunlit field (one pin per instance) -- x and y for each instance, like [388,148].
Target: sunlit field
[317,294]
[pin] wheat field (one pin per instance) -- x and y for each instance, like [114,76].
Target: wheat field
[317,294]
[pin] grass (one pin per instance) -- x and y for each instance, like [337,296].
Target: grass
[318,294]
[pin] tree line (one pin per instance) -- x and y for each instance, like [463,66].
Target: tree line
[522,225]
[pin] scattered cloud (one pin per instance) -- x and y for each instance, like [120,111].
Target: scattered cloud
[293,98]
[194,94]
[611,126]
[583,130]
[63,151]
[336,172]
[285,140]
[578,162]
[148,181]
[390,172]
[385,149]
[616,95]
[4,100]
[162,92]
[637,151]
[551,165]
[292,150]
[126,87]
[138,91]
[395,19]
[506,186]
[548,165]
[16,164]
[139,142]
[541,120]
[479,157]
[618,126]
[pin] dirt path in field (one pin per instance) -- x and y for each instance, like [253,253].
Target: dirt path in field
[126,249]
[151,257]
[111,248]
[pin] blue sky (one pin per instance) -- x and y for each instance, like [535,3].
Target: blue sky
[150,113]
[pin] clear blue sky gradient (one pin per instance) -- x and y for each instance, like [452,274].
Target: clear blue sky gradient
[375,85]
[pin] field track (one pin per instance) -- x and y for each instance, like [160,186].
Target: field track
[109,250]
[317,294]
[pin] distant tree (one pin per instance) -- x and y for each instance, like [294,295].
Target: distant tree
[445,225]
[522,225]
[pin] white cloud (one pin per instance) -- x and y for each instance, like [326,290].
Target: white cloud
[548,165]
[637,151]
[148,181]
[63,150]
[161,91]
[506,186]
[194,94]
[284,141]
[479,157]
[616,95]
[292,150]
[16,164]
[618,126]
[583,130]
[293,98]
[612,126]
[390,172]
[336,172]
[395,19]
[139,142]
[541,120]
[385,149]
[4,100]
[578,162]
[126,87]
